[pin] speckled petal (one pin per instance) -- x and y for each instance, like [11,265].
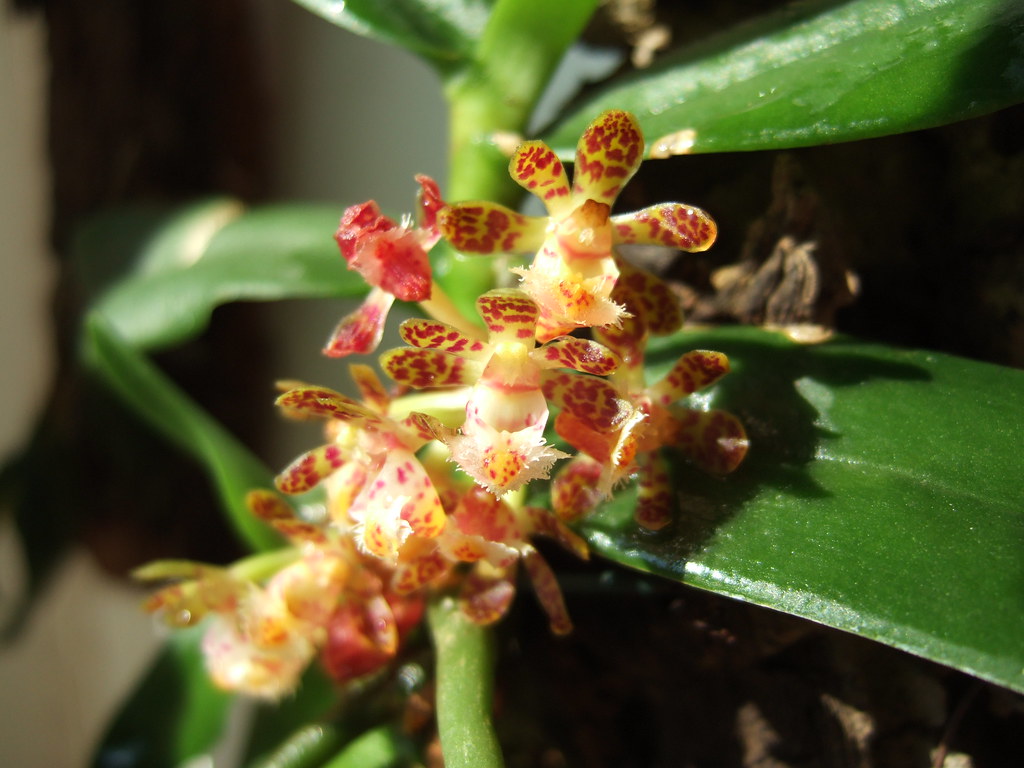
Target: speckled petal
[654,501]
[486,595]
[431,334]
[483,227]
[273,510]
[509,315]
[692,372]
[544,522]
[574,491]
[537,169]
[675,225]
[593,401]
[419,563]
[548,592]
[359,333]
[370,387]
[309,469]
[323,403]
[648,298]
[580,355]
[714,440]
[420,368]
[607,156]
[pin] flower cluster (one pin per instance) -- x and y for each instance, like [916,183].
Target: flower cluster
[425,482]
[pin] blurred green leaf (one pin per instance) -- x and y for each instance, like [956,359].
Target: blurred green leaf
[443,32]
[881,495]
[822,72]
[382,747]
[231,466]
[175,714]
[295,725]
[212,253]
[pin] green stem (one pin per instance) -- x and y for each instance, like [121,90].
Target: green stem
[522,44]
[464,687]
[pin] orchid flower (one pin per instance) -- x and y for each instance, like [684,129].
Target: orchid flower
[392,258]
[501,443]
[574,270]
[714,440]
[375,483]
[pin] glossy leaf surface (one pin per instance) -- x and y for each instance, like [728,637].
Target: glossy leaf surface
[822,72]
[174,715]
[882,495]
[442,31]
[189,262]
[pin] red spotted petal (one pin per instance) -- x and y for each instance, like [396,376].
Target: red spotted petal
[714,440]
[628,341]
[574,491]
[431,334]
[692,372]
[420,368]
[430,205]
[428,427]
[486,597]
[419,563]
[272,509]
[591,400]
[480,513]
[309,469]
[323,403]
[371,389]
[607,156]
[483,227]
[672,224]
[581,355]
[509,315]
[544,522]
[387,255]
[536,168]
[359,333]
[548,592]
[349,650]
[655,501]
[649,298]
[402,476]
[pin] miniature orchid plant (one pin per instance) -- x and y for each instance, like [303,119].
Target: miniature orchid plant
[426,483]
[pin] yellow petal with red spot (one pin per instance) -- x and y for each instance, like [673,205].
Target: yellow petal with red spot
[544,522]
[486,594]
[574,491]
[421,368]
[654,501]
[509,316]
[272,509]
[607,156]
[675,225]
[309,469]
[548,592]
[321,402]
[593,401]
[484,227]
[581,355]
[359,333]
[537,169]
[649,299]
[419,563]
[692,372]
[431,334]
[714,440]
[371,389]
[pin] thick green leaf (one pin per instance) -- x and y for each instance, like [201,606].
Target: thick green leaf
[442,31]
[881,495]
[212,253]
[231,466]
[175,714]
[821,73]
